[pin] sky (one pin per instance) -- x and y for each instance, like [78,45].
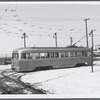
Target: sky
[40,21]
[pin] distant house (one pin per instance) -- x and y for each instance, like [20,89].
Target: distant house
[98,47]
[97,51]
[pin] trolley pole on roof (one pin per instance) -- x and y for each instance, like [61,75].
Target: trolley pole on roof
[24,37]
[56,39]
[71,40]
[86,31]
[91,33]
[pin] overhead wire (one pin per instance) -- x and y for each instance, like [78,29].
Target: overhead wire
[39,25]
[5,12]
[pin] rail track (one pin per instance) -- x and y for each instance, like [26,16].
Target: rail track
[10,83]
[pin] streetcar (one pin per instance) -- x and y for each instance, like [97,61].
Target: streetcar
[32,58]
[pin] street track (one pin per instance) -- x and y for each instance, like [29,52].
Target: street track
[10,83]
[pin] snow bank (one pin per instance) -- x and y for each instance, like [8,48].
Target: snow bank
[79,80]
[2,67]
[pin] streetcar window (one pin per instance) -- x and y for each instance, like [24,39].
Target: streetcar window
[71,54]
[79,54]
[23,56]
[42,55]
[85,53]
[47,55]
[31,56]
[67,54]
[27,55]
[89,54]
[74,54]
[37,55]
[56,55]
[15,56]
[62,55]
[51,55]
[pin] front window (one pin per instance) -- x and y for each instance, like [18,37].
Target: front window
[15,56]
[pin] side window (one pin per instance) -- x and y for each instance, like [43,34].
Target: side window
[89,54]
[85,53]
[42,55]
[37,55]
[56,55]
[62,55]
[74,54]
[47,55]
[33,55]
[26,56]
[67,54]
[51,55]
[17,56]
[79,54]
[71,54]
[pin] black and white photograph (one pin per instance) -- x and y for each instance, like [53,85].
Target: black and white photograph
[50,48]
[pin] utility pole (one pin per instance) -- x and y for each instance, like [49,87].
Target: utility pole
[91,33]
[86,31]
[71,40]
[24,37]
[55,39]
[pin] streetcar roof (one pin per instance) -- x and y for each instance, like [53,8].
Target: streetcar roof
[50,49]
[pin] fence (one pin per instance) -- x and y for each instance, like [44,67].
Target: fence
[5,59]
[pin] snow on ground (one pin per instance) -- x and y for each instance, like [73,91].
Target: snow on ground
[79,80]
[3,67]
